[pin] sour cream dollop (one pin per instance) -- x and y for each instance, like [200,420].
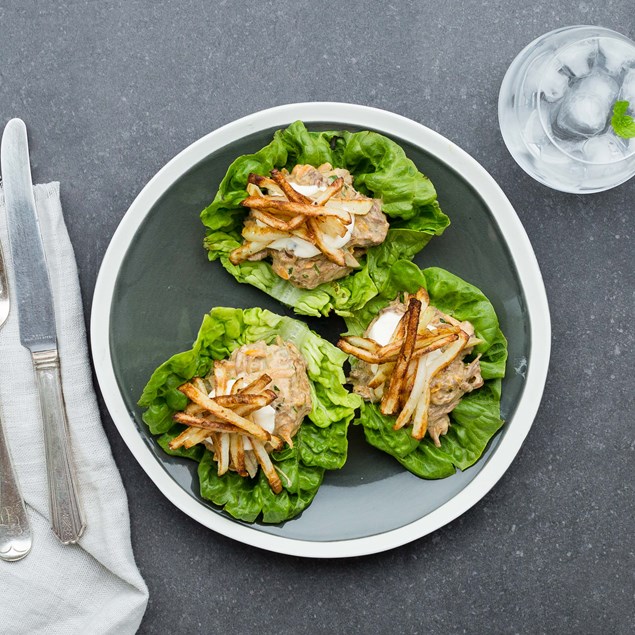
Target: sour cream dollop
[266,418]
[304,249]
[337,242]
[307,190]
[384,327]
[297,246]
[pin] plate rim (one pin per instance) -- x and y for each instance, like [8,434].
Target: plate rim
[520,250]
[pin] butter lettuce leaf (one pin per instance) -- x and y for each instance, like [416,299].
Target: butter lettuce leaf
[320,444]
[380,169]
[477,417]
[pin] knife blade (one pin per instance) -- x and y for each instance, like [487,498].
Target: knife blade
[36,319]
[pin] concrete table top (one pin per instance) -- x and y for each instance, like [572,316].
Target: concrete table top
[112,90]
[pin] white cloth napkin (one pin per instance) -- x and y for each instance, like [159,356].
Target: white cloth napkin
[93,587]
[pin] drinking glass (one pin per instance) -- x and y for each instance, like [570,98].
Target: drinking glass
[556,106]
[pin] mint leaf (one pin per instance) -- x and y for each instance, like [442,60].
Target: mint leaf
[623,124]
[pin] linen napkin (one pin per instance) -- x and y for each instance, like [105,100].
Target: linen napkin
[92,587]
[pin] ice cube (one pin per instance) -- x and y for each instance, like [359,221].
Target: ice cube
[602,149]
[616,54]
[564,161]
[586,108]
[577,59]
[554,83]
[552,154]
[563,152]
[534,131]
[534,75]
[627,92]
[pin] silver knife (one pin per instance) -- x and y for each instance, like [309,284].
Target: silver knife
[37,329]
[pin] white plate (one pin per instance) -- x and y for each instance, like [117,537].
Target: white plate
[536,307]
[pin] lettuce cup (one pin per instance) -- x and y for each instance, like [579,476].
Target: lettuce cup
[259,402]
[317,219]
[428,356]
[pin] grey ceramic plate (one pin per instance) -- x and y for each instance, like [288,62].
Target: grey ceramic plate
[156,284]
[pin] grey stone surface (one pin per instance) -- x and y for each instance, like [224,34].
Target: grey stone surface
[112,90]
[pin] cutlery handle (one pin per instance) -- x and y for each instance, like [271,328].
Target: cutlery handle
[15,530]
[66,515]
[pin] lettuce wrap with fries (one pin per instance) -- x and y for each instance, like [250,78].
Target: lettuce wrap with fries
[428,357]
[202,404]
[371,207]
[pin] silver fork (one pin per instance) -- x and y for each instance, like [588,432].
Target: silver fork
[15,531]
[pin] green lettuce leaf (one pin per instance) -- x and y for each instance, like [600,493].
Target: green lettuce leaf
[477,417]
[380,169]
[320,444]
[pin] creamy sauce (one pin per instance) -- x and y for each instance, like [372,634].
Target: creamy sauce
[297,246]
[384,327]
[307,190]
[304,249]
[266,418]
[337,242]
